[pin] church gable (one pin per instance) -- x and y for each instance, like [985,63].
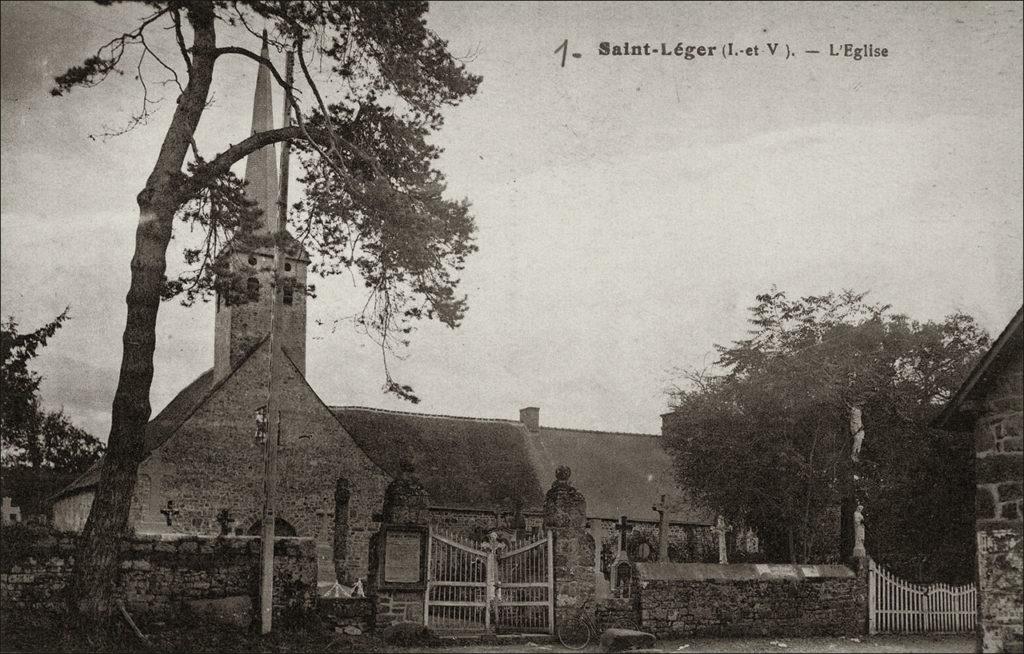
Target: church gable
[214,461]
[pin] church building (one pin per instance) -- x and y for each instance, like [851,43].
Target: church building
[204,472]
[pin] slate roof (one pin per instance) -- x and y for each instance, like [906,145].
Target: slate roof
[159,428]
[483,464]
[959,412]
[464,463]
[618,473]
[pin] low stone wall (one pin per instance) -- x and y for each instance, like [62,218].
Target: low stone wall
[342,612]
[160,576]
[616,613]
[696,599]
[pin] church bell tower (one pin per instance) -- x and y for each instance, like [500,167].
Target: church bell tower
[242,323]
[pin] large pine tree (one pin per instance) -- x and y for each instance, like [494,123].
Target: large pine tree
[372,200]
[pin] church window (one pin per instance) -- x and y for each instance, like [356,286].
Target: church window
[289,291]
[253,288]
[252,261]
[287,267]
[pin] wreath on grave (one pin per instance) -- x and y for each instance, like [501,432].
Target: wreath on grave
[642,545]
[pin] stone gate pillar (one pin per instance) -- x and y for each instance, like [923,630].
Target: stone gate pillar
[402,537]
[565,514]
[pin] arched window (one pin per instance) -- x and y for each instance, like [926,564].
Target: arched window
[282,528]
[289,291]
[253,288]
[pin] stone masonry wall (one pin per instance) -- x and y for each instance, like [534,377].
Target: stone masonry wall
[999,471]
[214,462]
[160,576]
[695,599]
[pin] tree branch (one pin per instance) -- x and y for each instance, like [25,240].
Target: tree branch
[231,49]
[223,161]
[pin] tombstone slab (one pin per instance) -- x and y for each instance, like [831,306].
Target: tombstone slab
[620,640]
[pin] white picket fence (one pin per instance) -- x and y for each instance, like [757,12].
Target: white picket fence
[896,606]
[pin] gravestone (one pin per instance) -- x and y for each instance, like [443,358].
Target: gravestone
[9,514]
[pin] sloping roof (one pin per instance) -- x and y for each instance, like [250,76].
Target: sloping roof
[484,464]
[158,430]
[464,463]
[958,412]
[163,426]
[618,473]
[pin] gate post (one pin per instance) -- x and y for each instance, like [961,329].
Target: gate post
[405,520]
[565,515]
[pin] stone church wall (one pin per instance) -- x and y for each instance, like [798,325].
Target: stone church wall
[159,577]
[999,441]
[214,462]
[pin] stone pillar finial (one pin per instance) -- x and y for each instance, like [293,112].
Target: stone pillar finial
[406,501]
[564,506]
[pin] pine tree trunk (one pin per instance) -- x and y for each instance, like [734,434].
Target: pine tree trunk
[97,556]
[97,568]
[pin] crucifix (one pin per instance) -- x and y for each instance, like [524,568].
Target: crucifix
[170,512]
[622,527]
[721,529]
[226,521]
[662,508]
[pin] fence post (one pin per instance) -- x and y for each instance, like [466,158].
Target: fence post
[926,605]
[872,598]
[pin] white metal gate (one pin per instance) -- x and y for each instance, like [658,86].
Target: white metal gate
[478,587]
[896,606]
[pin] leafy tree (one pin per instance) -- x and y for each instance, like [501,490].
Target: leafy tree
[39,450]
[20,416]
[373,200]
[779,420]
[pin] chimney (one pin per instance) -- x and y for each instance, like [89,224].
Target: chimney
[530,416]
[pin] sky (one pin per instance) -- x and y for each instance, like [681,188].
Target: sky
[629,208]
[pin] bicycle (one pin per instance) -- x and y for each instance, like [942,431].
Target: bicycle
[577,632]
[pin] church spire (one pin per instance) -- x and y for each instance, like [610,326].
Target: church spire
[261,166]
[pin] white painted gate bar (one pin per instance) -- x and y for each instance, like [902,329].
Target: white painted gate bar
[462,576]
[897,606]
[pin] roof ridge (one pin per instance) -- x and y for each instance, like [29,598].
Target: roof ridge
[478,419]
[424,415]
[601,431]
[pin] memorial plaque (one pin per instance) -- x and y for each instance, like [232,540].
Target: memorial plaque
[403,557]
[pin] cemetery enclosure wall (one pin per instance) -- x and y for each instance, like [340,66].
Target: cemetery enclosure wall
[158,576]
[694,599]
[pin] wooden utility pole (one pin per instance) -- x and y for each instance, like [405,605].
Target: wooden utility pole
[273,390]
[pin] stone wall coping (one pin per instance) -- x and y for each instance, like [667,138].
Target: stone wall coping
[738,571]
[164,537]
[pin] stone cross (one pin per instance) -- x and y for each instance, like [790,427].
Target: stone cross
[491,546]
[170,512]
[622,527]
[662,508]
[224,519]
[721,529]
[9,514]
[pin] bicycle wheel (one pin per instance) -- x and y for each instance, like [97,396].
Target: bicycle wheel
[574,633]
